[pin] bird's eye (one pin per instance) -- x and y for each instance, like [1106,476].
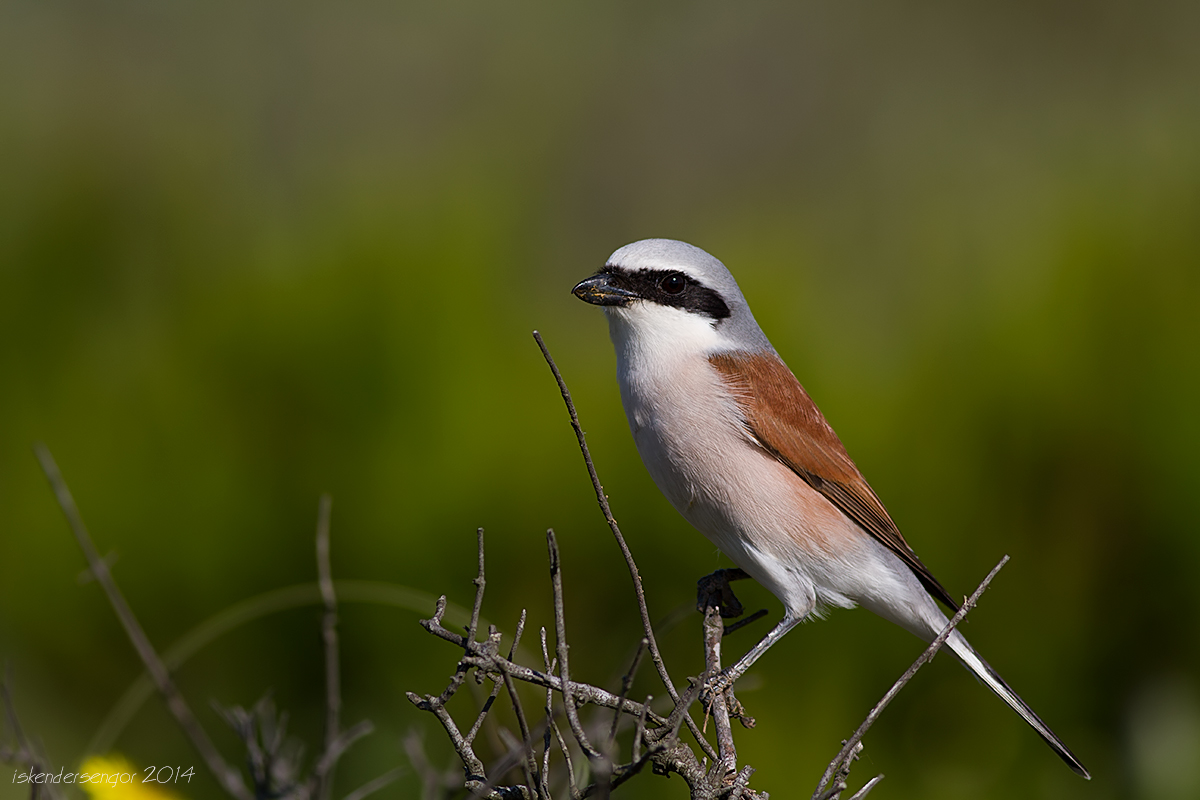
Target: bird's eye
[673,283]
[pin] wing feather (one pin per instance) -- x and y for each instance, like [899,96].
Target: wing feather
[789,426]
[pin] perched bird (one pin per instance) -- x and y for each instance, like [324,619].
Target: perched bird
[736,445]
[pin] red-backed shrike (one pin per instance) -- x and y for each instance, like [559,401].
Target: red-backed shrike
[734,442]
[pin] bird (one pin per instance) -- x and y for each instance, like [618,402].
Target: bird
[738,447]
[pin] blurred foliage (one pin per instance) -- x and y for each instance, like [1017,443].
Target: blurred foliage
[250,252]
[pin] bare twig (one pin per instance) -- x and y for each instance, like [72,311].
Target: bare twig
[715,598]
[338,746]
[867,787]
[476,773]
[480,584]
[838,784]
[431,779]
[602,499]
[852,743]
[726,761]
[227,777]
[483,711]
[639,732]
[626,685]
[668,753]
[372,786]
[741,783]
[329,634]
[516,751]
[560,635]
[529,761]
[460,674]
[582,692]
[552,726]
[24,749]
[27,753]
[472,628]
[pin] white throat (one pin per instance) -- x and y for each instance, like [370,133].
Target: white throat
[649,336]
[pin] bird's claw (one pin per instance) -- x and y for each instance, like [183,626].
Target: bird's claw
[722,684]
[714,590]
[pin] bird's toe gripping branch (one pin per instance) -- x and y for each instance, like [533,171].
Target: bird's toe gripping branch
[714,590]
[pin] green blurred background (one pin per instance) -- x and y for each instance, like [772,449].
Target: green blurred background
[250,252]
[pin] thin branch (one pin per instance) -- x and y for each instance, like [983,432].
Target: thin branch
[431,780]
[626,685]
[601,787]
[868,786]
[726,761]
[838,783]
[560,635]
[480,582]
[667,753]
[934,646]
[602,499]
[27,753]
[10,711]
[572,783]
[673,723]
[639,732]
[479,655]
[228,778]
[741,783]
[515,751]
[529,760]
[460,674]
[483,711]
[547,731]
[333,692]
[476,772]
[372,786]
[513,757]
[472,629]
[338,746]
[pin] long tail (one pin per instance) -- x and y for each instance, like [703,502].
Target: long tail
[972,661]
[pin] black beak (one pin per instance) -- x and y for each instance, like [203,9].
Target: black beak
[602,289]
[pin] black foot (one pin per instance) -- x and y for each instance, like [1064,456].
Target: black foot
[714,590]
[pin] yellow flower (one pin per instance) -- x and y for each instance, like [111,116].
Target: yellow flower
[114,778]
